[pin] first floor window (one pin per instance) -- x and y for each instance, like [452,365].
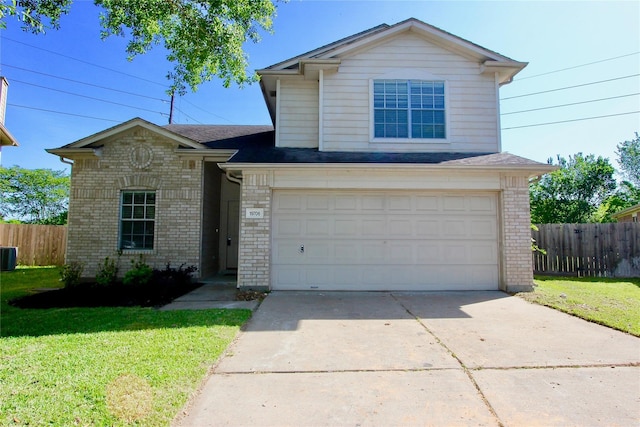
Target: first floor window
[137,219]
[409,109]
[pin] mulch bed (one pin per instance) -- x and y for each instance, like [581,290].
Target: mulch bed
[93,295]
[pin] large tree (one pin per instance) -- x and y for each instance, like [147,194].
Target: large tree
[573,193]
[203,38]
[629,159]
[38,196]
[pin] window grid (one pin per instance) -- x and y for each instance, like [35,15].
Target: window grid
[409,109]
[137,219]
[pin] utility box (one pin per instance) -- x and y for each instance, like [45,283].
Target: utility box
[8,258]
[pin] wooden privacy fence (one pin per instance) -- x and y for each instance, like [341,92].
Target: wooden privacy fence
[597,250]
[37,244]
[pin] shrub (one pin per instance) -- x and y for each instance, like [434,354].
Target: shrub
[174,276]
[140,273]
[108,272]
[71,274]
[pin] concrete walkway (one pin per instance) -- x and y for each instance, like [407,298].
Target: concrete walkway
[445,358]
[217,292]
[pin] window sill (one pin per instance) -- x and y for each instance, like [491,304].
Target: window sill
[138,251]
[410,141]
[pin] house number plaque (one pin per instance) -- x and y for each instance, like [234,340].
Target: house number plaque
[255,213]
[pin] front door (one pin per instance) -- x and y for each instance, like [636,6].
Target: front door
[233,217]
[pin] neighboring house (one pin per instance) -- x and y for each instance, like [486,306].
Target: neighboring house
[627,215]
[383,171]
[6,139]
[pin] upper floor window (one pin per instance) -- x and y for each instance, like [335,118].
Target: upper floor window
[409,109]
[137,219]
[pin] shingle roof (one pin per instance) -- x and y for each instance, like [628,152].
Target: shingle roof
[225,136]
[311,155]
[256,144]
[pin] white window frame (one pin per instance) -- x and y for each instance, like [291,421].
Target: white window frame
[410,75]
[121,220]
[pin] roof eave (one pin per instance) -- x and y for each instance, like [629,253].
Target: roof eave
[530,170]
[6,139]
[92,139]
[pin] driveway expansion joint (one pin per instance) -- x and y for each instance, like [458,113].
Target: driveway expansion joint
[466,370]
[593,365]
[331,371]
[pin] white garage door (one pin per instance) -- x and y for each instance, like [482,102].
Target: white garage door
[342,240]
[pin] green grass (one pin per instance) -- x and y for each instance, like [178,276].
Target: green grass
[611,302]
[102,366]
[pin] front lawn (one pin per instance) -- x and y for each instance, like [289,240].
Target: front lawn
[610,302]
[102,366]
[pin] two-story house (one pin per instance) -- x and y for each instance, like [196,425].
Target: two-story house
[383,171]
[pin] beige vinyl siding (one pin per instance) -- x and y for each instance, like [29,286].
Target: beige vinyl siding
[471,98]
[298,114]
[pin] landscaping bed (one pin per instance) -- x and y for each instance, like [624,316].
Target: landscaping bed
[94,295]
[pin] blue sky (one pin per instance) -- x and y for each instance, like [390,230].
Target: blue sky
[44,71]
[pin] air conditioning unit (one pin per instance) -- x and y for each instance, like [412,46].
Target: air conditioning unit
[8,258]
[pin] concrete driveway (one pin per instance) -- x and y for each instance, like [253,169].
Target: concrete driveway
[440,358]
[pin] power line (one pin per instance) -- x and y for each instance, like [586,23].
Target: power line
[570,87]
[84,83]
[88,97]
[188,116]
[83,61]
[579,66]
[573,120]
[567,105]
[62,112]
[205,111]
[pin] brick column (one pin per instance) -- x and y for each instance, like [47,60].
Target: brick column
[254,258]
[517,270]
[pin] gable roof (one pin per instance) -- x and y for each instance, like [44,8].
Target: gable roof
[628,211]
[122,127]
[328,57]
[373,35]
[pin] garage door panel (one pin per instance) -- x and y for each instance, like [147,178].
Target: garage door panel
[317,203]
[347,227]
[288,202]
[345,203]
[287,227]
[428,203]
[373,203]
[482,204]
[384,240]
[319,227]
[401,227]
[428,228]
[400,203]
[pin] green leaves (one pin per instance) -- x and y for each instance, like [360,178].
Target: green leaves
[203,39]
[629,159]
[573,193]
[35,15]
[39,196]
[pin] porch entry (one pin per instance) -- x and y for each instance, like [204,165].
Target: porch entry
[233,219]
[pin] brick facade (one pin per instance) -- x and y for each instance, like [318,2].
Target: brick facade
[136,159]
[254,261]
[517,272]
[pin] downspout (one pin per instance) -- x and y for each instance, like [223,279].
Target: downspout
[233,178]
[68,162]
